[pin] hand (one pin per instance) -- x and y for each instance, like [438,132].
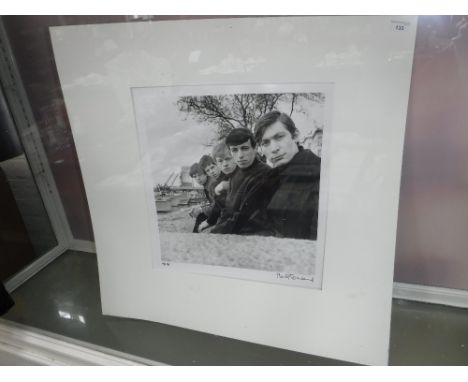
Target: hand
[195,211]
[224,185]
[203,226]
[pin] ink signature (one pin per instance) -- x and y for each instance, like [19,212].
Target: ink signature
[292,276]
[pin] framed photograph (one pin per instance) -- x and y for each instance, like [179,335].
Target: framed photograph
[301,255]
[266,225]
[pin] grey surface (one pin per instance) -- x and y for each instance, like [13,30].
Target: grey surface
[29,203]
[8,359]
[64,299]
[428,334]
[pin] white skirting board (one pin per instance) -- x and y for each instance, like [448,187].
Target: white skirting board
[82,246]
[20,345]
[412,292]
[26,273]
[429,294]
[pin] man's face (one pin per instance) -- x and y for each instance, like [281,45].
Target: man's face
[212,170]
[244,154]
[278,144]
[200,179]
[226,164]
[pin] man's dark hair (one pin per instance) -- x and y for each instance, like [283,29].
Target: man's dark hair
[269,119]
[205,161]
[239,136]
[194,170]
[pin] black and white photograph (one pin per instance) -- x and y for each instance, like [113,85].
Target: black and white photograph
[237,170]
[234,176]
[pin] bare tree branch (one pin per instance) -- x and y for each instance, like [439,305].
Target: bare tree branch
[229,111]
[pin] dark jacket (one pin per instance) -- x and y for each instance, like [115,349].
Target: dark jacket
[285,202]
[208,188]
[219,200]
[241,183]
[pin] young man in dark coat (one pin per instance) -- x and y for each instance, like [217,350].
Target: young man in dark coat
[285,202]
[200,213]
[227,167]
[209,167]
[241,144]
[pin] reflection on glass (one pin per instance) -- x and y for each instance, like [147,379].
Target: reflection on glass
[72,317]
[25,230]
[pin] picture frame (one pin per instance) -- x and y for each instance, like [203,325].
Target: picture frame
[368,62]
[166,131]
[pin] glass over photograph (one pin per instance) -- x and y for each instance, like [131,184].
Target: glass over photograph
[234,179]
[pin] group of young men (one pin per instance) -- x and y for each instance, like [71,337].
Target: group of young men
[250,197]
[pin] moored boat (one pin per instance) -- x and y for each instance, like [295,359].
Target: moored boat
[163,204]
